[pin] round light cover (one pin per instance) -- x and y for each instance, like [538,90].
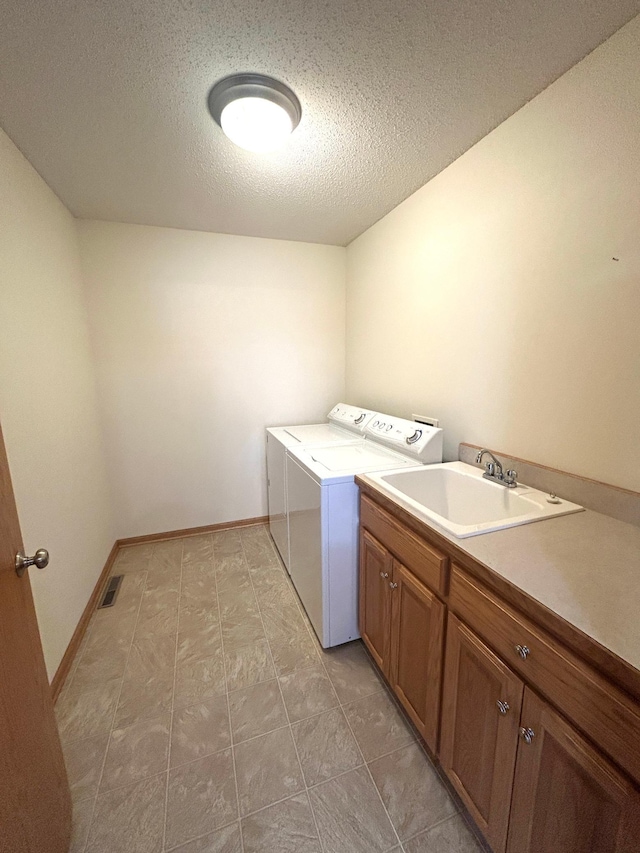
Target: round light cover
[256,112]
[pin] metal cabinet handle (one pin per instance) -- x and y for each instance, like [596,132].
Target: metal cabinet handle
[40,559]
[393,585]
[527,735]
[523,651]
[384,574]
[503,707]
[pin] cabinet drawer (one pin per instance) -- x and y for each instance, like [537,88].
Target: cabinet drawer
[601,710]
[426,563]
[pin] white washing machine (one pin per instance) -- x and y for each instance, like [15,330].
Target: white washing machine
[323,511]
[345,424]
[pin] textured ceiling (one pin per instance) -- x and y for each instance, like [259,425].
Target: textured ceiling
[107,99]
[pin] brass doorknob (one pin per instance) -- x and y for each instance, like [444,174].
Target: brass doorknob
[40,559]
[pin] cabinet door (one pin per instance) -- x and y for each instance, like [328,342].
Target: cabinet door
[567,796]
[417,634]
[376,567]
[479,738]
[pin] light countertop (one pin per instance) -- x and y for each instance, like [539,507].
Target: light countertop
[583,567]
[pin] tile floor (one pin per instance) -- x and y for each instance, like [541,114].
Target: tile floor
[202,716]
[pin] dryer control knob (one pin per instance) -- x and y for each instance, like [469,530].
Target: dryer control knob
[417,435]
[360,418]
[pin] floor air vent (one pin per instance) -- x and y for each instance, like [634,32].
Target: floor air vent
[111,592]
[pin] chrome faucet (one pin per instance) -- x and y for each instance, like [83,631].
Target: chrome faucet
[493,470]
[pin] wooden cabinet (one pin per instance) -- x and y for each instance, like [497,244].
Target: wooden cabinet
[531,782]
[402,625]
[376,568]
[566,795]
[417,635]
[537,775]
[480,720]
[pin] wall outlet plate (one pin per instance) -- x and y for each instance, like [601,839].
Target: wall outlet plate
[423,419]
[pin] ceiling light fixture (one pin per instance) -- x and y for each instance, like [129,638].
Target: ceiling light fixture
[255,111]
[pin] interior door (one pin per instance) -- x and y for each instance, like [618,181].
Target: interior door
[35,803]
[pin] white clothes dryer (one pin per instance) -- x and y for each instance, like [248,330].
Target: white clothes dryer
[344,424]
[323,509]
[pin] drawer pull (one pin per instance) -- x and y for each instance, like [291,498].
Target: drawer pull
[527,735]
[503,707]
[393,585]
[384,574]
[523,651]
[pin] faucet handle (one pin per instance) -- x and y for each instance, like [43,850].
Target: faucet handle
[511,476]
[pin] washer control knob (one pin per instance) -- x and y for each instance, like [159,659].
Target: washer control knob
[360,418]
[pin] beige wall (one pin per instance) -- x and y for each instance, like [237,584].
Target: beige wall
[48,404]
[490,298]
[202,340]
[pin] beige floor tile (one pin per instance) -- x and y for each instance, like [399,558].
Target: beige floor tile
[251,532]
[325,746]
[256,710]
[167,554]
[151,654]
[104,662]
[296,652]
[451,836]
[287,827]
[202,798]
[110,627]
[268,770]
[200,730]
[237,603]
[242,631]
[350,815]
[282,622]
[234,581]
[83,714]
[226,542]
[225,840]
[133,558]
[230,565]
[197,586]
[411,790]
[164,578]
[249,665]
[84,760]
[199,680]
[81,820]
[278,596]
[196,614]
[158,613]
[145,697]
[259,552]
[129,819]
[378,725]
[268,578]
[351,671]
[197,641]
[197,549]
[137,752]
[127,601]
[307,692]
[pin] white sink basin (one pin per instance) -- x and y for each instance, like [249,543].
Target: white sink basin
[455,496]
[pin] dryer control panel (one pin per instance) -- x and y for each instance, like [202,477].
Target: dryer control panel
[417,440]
[350,417]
